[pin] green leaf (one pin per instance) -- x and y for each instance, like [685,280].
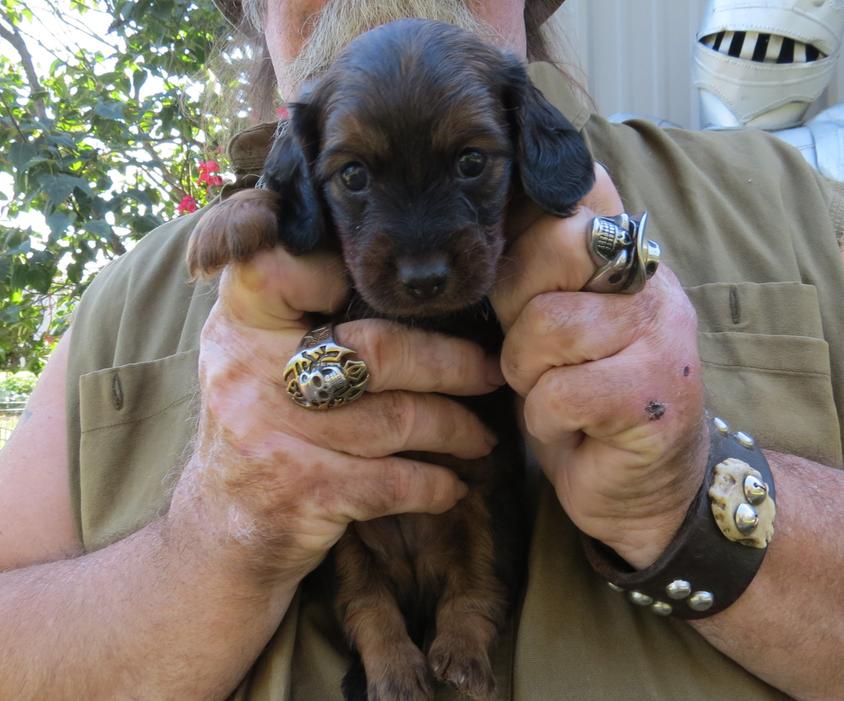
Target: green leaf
[109,110]
[61,139]
[10,314]
[20,153]
[59,221]
[23,247]
[99,227]
[139,77]
[59,187]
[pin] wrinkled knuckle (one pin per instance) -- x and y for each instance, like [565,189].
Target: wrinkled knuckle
[686,310]
[215,326]
[218,380]
[338,430]
[363,436]
[373,347]
[565,241]
[213,401]
[362,449]
[389,488]
[396,415]
[668,311]
[447,363]
[544,314]
[552,392]
[400,485]
[535,415]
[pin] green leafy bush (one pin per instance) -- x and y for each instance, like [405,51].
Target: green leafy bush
[100,146]
[16,385]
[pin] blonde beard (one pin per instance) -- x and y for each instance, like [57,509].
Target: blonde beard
[340,21]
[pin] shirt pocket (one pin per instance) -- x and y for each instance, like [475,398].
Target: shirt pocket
[766,365]
[137,422]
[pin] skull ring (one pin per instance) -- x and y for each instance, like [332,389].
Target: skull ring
[323,374]
[625,257]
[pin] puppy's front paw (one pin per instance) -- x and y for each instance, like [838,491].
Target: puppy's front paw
[403,676]
[233,230]
[464,663]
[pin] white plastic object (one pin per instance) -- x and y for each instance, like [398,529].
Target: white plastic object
[752,88]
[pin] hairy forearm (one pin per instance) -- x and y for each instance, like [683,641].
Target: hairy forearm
[788,627]
[147,617]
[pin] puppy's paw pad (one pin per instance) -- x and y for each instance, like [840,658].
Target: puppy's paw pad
[404,679]
[468,670]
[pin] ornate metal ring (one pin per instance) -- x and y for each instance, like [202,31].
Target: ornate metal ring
[322,374]
[626,259]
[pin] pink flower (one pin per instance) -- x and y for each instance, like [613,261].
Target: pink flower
[209,173]
[209,167]
[282,113]
[186,205]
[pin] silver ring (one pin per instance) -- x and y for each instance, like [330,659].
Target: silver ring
[323,374]
[625,258]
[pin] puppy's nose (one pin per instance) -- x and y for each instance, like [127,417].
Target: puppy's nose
[424,278]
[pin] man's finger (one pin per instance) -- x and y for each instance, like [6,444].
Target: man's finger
[399,357]
[395,422]
[396,486]
[603,197]
[275,290]
[569,328]
[550,256]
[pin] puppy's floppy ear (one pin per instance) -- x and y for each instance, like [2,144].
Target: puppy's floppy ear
[554,163]
[288,171]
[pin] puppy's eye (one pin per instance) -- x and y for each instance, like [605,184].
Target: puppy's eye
[354,176]
[471,163]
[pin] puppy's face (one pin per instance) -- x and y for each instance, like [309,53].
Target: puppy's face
[407,152]
[416,178]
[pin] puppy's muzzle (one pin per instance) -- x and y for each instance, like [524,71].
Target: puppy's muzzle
[424,278]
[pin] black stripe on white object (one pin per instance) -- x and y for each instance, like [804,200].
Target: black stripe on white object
[762,47]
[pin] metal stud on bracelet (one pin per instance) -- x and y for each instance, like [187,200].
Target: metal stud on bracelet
[719,546]
[678,589]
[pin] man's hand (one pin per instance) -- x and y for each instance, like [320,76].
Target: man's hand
[613,398]
[282,482]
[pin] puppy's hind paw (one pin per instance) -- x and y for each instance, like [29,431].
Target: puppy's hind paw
[233,231]
[407,679]
[465,668]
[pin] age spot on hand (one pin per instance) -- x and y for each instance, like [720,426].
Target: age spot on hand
[655,410]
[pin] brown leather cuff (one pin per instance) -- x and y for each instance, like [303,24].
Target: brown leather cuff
[703,571]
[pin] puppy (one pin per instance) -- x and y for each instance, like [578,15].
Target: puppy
[406,155]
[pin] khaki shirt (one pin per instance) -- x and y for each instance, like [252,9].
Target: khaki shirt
[749,229]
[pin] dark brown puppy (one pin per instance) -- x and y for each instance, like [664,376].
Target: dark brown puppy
[406,154]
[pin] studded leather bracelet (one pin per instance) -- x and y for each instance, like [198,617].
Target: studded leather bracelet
[720,545]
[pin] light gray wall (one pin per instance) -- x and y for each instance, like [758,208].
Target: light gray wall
[636,56]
